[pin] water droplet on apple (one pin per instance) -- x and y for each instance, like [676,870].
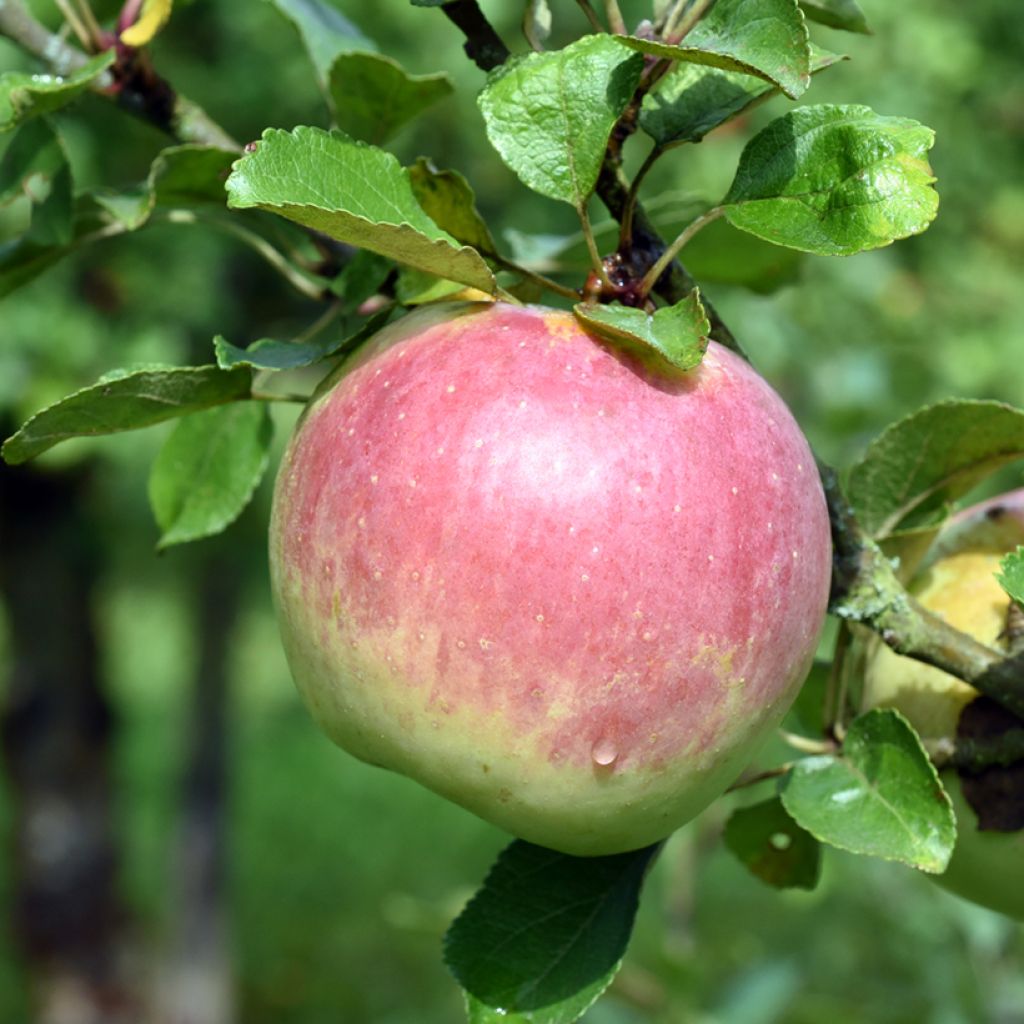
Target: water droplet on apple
[603,752]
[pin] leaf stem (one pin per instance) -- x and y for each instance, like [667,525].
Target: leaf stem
[588,235]
[322,321]
[806,745]
[683,19]
[76,25]
[262,396]
[536,278]
[661,264]
[753,780]
[616,22]
[91,24]
[595,22]
[307,285]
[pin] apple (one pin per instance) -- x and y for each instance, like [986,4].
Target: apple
[957,581]
[565,592]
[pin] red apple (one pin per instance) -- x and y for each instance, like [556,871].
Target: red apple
[570,595]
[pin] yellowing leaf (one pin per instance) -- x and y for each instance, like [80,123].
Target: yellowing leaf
[153,18]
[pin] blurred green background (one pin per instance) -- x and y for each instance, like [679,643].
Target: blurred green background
[341,877]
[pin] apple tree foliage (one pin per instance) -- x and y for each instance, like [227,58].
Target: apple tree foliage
[347,225]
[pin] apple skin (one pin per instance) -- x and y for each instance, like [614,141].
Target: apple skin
[565,593]
[957,581]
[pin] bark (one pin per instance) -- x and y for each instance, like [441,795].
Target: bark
[56,730]
[197,983]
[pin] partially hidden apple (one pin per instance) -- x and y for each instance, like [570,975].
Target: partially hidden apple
[561,590]
[957,581]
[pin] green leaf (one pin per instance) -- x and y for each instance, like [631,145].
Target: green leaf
[126,400]
[545,935]
[773,847]
[723,254]
[834,181]
[362,277]
[766,38]
[185,176]
[23,95]
[208,470]
[35,165]
[190,175]
[694,99]
[881,797]
[842,14]
[22,261]
[673,339]
[414,288]
[268,354]
[325,32]
[931,458]
[549,114]
[354,193]
[1011,575]
[450,203]
[373,96]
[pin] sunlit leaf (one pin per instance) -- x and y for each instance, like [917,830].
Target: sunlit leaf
[549,115]
[834,180]
[354,193]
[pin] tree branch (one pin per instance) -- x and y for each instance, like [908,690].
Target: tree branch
[132,81]
[865,589]
[483,46]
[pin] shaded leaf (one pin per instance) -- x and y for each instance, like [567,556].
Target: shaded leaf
[188,176]
[881,797]
[449,201]
[35,165]
[208,470]
[325,31]
[549,115]
[773,847]
[673,339]
[1011,574]
[544,936]
[268,354]
[362,277]
[693,99]
[928,460]
[126,400]
[24,95]
[766,38]
[354,193]
[842,14]
[834,180]
[374,96]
